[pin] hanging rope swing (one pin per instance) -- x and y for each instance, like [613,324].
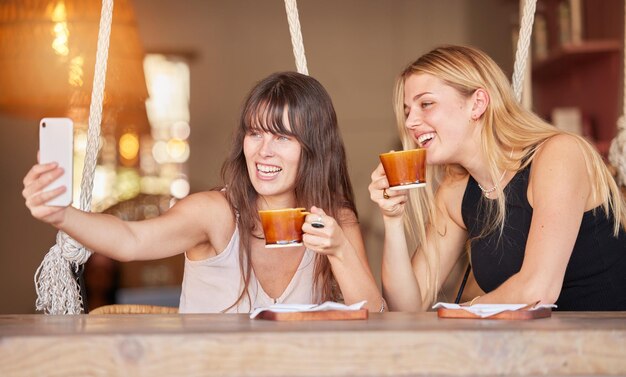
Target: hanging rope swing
[58,292]
[617,152]
[296,36]
[523,46]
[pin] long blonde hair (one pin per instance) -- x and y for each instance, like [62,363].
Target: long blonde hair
[511,136]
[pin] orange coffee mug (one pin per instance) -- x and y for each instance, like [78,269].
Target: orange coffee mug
[405,169]
[283,227]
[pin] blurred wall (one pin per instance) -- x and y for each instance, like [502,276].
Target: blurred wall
[355,48]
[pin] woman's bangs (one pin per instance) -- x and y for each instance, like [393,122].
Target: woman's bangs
[267,117]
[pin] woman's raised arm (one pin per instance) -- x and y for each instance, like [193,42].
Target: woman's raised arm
[180,228]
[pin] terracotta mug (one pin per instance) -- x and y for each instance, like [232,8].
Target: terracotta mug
[283,227]
[405,169]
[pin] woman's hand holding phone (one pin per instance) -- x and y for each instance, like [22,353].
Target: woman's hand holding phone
[36,181]
[48,184]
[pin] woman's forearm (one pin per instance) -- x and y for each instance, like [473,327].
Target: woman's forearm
[355,278]
[101,233]
[400,287]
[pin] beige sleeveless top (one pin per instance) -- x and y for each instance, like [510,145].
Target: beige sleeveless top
[212,285]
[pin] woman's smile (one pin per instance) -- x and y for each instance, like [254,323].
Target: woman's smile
[265,171]
[424,139]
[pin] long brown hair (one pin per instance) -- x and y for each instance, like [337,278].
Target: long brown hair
[507,127]
[322,179]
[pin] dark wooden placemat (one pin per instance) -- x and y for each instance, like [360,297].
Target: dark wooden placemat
[325,315]
[508,314]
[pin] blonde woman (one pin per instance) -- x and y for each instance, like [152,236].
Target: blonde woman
[536,208]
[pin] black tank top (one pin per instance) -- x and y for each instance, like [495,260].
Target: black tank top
[595,278]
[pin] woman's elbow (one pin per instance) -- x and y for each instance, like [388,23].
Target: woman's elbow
[541,292]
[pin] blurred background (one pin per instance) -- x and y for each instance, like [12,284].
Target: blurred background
[180,69]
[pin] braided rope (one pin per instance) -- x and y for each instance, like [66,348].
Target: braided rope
[296,36]
[624,72]
[523,45]
[57,290]
[617,151]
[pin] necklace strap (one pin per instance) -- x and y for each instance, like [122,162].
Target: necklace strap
[487,192]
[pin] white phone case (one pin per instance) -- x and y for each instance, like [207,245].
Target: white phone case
[56,144]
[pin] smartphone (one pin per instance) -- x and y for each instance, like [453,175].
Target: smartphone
[56,144]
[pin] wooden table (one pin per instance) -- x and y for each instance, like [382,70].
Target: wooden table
[398,344]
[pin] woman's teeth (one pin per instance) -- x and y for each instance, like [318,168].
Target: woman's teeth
[268,169]
[423,139]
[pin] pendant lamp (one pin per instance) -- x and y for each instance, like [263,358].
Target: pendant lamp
[47,59]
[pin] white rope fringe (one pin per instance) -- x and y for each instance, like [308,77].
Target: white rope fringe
[523,45]
[296,36]
[617,152]
[57,289]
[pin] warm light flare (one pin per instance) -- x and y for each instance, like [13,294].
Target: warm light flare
[181,130]
[61,37]
[178,150]
[58,13]
[76,71]
[159,152]
[60,30]
[179,188]
[129,145]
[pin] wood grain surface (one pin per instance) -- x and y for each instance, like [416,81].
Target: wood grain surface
[387,344]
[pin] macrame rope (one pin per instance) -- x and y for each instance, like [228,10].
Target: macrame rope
[523,45]
[617,151]
[57,289]
[296,36]
[624,68]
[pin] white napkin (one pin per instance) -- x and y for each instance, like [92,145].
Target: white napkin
[487,310]
[292,308]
